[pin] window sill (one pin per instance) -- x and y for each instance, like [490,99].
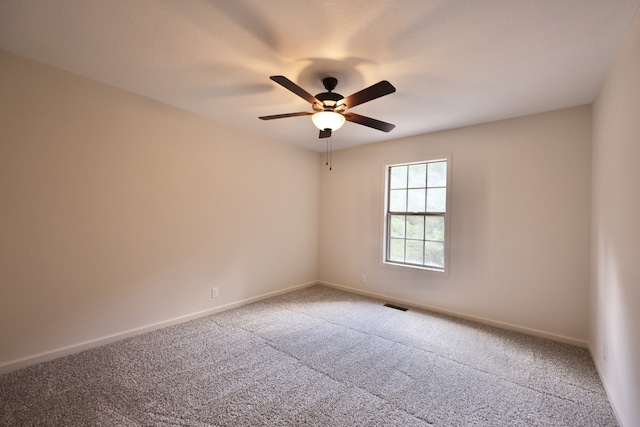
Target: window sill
[439,271]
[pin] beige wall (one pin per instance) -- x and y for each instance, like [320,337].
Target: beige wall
[118,212]
[615,291]
[519,231]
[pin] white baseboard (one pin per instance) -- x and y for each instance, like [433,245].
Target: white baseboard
[604,384]
[30,360]
[485,321]
[14,365]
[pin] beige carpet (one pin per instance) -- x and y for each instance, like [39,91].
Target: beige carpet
[315,357]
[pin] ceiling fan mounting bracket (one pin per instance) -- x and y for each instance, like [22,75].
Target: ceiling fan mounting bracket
[330,83]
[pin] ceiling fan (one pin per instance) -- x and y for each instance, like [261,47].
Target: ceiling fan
[329,108]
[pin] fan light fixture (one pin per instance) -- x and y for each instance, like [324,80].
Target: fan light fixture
[328,120]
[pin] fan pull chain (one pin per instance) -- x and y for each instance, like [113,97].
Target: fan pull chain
[329,152]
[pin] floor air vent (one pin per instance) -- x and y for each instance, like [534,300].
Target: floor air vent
[397,307]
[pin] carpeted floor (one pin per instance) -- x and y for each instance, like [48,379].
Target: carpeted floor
[316,357]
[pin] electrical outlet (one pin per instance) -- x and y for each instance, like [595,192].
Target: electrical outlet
[605,352]
[363,278]
[214,292]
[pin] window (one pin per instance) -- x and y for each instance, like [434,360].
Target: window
[416,218]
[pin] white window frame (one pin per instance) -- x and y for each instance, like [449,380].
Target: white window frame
[385,212]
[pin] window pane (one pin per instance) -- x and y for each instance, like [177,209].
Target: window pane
[435,228]
[436,200]
[434,254]
[398,202]
[415,227]
[418,176]
[416,199]
[396,250]
[437,176]
[415,252]
[416,214]
[398,177]
[397,226]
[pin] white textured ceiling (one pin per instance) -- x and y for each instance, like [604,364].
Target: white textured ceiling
[453,62]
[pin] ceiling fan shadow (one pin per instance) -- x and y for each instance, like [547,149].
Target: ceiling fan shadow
[234,90]
[346,70]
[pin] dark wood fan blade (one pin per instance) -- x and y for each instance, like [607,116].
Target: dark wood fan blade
[288,84]
[368,94]
[368,121]
[325,133]
[282,116]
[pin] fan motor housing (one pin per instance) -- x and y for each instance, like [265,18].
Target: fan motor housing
[329,96]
